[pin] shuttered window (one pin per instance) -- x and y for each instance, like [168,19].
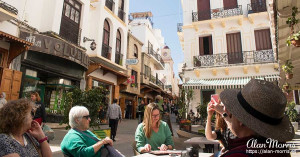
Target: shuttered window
[234,48]
[70,21]
[203,7]
[230,4]
[263,39]
[205,46]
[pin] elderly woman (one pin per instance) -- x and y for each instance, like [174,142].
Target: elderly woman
[79,141]
[20,135]
[153,134]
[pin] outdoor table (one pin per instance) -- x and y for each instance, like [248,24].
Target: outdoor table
[202,142]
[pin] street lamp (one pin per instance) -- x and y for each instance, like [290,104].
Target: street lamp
[93,44]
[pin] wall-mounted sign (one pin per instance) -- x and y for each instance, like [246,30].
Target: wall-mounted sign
[56,47]
[132,61]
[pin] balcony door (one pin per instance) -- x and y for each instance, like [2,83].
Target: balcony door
[70,21]
[258,6]
[205,46]
[203,9]
[263,39]
[234,48]
[230,4]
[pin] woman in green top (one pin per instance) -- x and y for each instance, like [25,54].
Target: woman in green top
[153,134]
[79,140]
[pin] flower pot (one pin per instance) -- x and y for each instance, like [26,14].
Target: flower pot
[187,128]
[295,125]
[289,76]
[296,43]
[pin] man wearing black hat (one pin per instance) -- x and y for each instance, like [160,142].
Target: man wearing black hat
[255,115]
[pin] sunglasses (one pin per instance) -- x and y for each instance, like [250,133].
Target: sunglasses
[86,117]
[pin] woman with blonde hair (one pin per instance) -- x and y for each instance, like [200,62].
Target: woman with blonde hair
[152,133]
[40,113]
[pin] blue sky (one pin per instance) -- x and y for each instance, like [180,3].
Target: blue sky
[166,15]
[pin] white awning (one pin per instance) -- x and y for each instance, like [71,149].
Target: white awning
[225,83]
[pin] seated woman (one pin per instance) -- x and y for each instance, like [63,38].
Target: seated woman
[79,141]
[221,133]
[21,136]
[152,133]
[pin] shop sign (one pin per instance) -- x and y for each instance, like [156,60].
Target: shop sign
[56,47]
[132,61]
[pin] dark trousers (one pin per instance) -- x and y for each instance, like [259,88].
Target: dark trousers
[113,124]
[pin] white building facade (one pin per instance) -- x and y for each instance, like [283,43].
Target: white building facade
[79,43]
[225,44]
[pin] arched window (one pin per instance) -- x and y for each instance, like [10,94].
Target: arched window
[105,46]
[118,56]
[135,51]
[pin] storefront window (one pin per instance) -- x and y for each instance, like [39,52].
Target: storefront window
[30,85]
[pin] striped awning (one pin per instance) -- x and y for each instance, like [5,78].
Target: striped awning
[225,83]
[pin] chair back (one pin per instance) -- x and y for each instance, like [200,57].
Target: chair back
[135,151]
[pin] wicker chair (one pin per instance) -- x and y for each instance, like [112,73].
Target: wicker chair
[135,151]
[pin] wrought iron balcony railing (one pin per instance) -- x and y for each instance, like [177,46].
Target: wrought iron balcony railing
[153,79]
[121,14]
[8,7]
[257,7]
[179,27]
[156,56]
[224,59]
[109,4]
[119,58]
[106,51]
[217,13]
[157,81]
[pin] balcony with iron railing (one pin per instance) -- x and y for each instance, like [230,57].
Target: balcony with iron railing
[121,14]
[106,51]
[179,27]
[156,81]
[109,4]
[119,58]
[257,7]
[217,13]
[156,56]
[237,58]
[8,8]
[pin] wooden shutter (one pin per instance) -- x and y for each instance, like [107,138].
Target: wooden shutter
[16,84]
[234,48]
[210,45]
[11,83]
[203,9]
[230,4]
[263,39]
[201,48]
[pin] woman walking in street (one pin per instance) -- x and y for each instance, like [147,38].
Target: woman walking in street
[40,114]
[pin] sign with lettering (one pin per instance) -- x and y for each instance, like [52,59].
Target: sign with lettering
[132,61]
[56,47]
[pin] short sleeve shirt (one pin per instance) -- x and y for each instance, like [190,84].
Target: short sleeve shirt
[8,145]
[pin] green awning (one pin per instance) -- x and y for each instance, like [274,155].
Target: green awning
[225,83]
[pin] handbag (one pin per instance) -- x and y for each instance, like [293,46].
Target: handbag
[107,150]
[35,146]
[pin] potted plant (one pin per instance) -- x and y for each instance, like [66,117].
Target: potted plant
[292,113]
[294,39]
[93,100]
[185,125]
[286,88]
[197,63]
[292,21]
[288,69]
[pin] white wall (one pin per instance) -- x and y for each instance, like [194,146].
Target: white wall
[108,76]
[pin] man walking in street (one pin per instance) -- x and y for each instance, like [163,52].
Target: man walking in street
[114,114]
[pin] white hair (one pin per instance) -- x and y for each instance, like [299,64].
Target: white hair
[77,112]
